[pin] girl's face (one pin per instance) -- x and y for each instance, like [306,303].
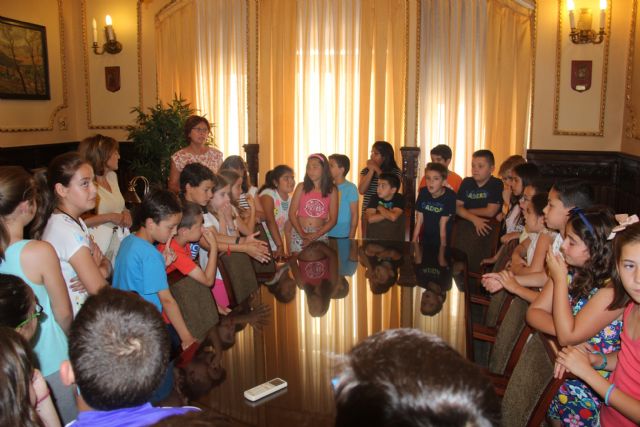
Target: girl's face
[236,189]
[286,183]
[556,214]
[221,198]
[629,271]
[112,161]
[376,156]
[574,249]
[199,133]
[200,194]
[527,195]
[516,184]
[532,221]
[167,227]
[81,192]
[314,170]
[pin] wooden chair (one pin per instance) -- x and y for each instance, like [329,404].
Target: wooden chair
[387,230]
[531,386]
[264,272]
[238,276]
[196,304]
[476,248]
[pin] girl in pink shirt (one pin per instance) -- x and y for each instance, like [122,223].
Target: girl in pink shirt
[621,392]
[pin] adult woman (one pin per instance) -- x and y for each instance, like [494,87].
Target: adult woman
[110,223]
[196,131]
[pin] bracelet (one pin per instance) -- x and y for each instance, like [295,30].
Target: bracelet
[608,395]
[604,361]
[228,250]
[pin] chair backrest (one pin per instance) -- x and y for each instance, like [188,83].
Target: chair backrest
[266,271]
[497,308]
[465,239]
[387,230]
[510,334]
[238,275]
[196,304]
[531,386]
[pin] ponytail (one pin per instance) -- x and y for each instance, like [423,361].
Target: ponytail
[16,186]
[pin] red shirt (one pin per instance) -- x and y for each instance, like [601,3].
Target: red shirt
[183,263]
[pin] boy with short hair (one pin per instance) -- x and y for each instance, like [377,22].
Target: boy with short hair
[387,203]
[442,154]
[118,355]
[480,195]
[347,224]
[434,206]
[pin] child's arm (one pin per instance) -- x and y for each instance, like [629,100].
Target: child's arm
[256,249]
[372,215]
[391,214]
[293,211]
[590,320]
[538,261]
[481,224]
[508,281]
[267,204]
[539,312]
[443,230]
[510,236]
[365,180]
[333,216]
[44,404]
[170,307]
[489,211]
[353,206]
[579,364]
[418,227]
[208,276]
[89,273]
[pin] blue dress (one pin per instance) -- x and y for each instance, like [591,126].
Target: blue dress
[575,403]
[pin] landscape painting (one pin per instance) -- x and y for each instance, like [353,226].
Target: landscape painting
[24,71]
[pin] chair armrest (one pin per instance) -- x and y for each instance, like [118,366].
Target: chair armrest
[484,333]
[479,299]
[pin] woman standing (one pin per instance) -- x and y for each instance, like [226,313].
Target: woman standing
[196,132]
[112,220]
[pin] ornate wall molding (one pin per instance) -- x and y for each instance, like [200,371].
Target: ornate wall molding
[65,90]
[631,126]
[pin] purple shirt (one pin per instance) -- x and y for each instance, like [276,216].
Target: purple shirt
[136,416]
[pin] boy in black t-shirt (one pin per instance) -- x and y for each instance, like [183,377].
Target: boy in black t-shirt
[387,203]
[434,206]
[480,196]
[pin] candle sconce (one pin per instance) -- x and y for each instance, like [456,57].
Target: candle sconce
[111,45]
[583,33]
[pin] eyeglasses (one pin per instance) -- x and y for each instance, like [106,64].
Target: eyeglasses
[201,130]
[36,313]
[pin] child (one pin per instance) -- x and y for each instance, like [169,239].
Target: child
[67,192]
[480,195]
[274,197]
[505,173]
[520,177]
[118,354]
[314,205]
[442,154]
[387,203]
[140,267]
[37,264]
[191,230]
[622,392]
[196,185]
[574,307]
[237,164]
[24,397]
[347,224]
[434,206]
[246,221]
[382,161]
[19,312]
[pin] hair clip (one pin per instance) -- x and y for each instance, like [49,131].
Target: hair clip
[316,156]
[578,211]
[624,220]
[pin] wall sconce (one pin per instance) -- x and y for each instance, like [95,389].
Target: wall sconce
[112,46]
[583,33]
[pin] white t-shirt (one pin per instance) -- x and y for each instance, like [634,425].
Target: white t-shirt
[67,237]
[209,221]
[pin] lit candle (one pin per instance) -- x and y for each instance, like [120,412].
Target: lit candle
[95,31]
[572,19]
[603,9]
[109,29]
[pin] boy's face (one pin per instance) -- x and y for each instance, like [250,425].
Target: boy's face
[167,227]
[200,194]
[556,214]
[439,159]
[481,170]
[337,172]
[434,181]
[385,190]
[194,233]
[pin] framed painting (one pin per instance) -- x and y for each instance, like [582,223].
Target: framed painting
[24,68]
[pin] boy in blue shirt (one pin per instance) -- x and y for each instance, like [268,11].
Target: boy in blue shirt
[480,195]
[434,206]
[347,224]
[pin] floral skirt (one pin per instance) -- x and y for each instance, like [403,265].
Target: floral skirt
[576,404]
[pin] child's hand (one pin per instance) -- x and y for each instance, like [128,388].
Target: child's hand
[372,165]
[168,254]
[251,202]
[76,285]
[187,342]
[574,360]
[508,281]
[506,195]
[210,239]
[482,226]
[258,252]
[556,265]
[251,238]
[96,253]
[491,282]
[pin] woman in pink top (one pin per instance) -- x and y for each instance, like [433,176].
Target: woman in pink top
[622,394]
[196,132]
[314,206]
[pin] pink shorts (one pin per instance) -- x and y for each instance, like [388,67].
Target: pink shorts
[219,293]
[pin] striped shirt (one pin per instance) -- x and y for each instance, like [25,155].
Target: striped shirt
[373,185]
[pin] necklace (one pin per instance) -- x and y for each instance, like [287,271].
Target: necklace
[74,220]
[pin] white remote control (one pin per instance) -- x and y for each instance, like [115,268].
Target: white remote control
[263,390]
